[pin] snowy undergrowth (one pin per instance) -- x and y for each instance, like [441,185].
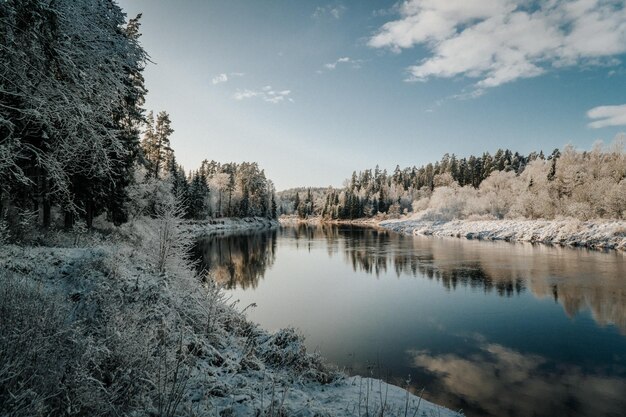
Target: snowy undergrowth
[601,234]
[107,327]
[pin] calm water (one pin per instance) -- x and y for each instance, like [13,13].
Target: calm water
[495,329]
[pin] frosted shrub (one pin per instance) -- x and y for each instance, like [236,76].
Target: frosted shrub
[21,224]
[444,180]
[36,346]
[579,210]
[163,241]
[497,193]
[613,200]
[148,196]
[446,203]
[420,205]
[4,231]
[79,229]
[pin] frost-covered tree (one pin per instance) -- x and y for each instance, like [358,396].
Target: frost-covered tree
[156,143]
[70,92]
[508,184]
[219,182]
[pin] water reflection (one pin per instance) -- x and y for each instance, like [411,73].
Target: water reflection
[237,260]
[494,328]
[577,279]
[499,381]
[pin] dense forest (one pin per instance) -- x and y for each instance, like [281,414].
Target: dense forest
[567,182]
[75,141]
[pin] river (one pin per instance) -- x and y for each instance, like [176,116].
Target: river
[492,328]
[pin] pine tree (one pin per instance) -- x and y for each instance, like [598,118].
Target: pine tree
[156,143]
[273,210]
[296,204]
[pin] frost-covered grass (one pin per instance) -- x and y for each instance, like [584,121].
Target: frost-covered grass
[602,234]
[100,324]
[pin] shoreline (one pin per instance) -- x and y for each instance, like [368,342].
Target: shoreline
[594,234]
[230,365]
[598,234]
[209,227]
[317,220]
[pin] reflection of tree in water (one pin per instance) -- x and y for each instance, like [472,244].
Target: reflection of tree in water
[578,279]
[376,251]
[237,260]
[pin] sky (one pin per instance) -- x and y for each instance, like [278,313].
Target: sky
[315,90]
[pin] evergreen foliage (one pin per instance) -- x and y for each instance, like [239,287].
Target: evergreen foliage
[71,92]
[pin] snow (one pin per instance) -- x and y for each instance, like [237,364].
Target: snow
[228,224]
[293,220]
[600,234]
[179,344]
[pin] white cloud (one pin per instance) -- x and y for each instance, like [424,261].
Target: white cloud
[220,78]
[607,116]
[265,93]
[356,63]
[223,77]
[334,11]
[244,94]
[500,41]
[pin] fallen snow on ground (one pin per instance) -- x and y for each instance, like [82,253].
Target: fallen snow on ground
[601,234]
[228,224]
[293,220]
[168,338]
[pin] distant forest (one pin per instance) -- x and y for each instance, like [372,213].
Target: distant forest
[567,182]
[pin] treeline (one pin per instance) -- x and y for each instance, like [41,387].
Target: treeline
[213,190]
[71,122]
[370,192]
[582,184]
[224,190]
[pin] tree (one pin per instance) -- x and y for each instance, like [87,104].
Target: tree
[156,143]
[296,204]
[273,210]
[69,84]
[220,182]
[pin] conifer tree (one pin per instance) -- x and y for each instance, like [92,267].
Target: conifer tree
[156,143]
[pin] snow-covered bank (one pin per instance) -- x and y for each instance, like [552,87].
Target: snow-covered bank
[115,335]
[293,220]
[228,224]
[601,234]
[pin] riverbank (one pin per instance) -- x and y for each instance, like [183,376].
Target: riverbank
[597,234]
[292,220]
[209,227]
[122,324]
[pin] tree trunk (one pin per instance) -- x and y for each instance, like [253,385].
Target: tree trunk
[69,220]
[46,213]
[45,200]
[89,213]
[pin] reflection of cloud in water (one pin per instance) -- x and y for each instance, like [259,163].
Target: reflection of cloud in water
[500,381]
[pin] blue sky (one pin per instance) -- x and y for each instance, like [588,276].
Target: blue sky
[315,90]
